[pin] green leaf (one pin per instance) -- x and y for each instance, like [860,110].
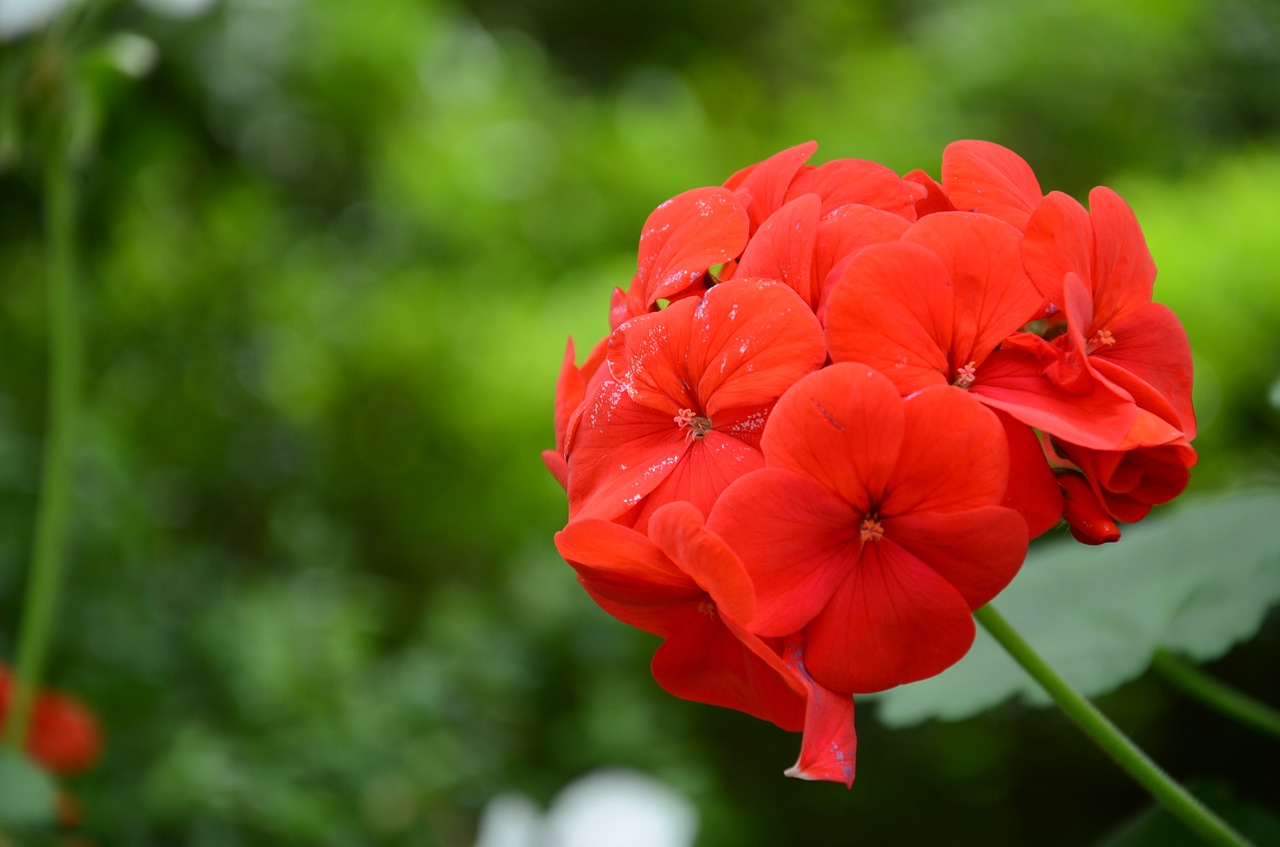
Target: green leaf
[1195,580]
[26,792]
[1155,827]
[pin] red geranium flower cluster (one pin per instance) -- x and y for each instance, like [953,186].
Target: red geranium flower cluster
[834,406]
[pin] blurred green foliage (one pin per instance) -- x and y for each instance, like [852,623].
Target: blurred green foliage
[331,255]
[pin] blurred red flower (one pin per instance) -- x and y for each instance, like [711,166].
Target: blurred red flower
[63,735]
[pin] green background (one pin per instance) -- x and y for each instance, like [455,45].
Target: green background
[330,254]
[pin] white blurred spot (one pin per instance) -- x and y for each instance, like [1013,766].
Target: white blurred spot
[607,808]
[18,17]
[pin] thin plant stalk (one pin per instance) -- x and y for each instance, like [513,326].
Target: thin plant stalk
[1216,694]
[44,576]
[1106,735]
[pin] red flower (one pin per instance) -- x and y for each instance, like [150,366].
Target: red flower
[1097,263]
[684,584]
[933,309]
[797,533]
[679,413]
[63,735]
[874,527]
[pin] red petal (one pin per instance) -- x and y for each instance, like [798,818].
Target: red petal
[844,181]
[954,456]
[763,186]
[1087,518]
[934,198]
[1033,491]
[570,386]
[710,661]
[621,452]
[782,249]
[648,356]
[796,539]
[978,552]
[841,426]
[841,234]
[1123,272]
[1010,380]
[829,746]
[1130,482]
[680,530]
[1151,344]
[983,177]
[893,620]
[893,309]
[750,341]
[628,575]
[1059,241]
[707,468]
[684,237]
[983,260]
[558,467]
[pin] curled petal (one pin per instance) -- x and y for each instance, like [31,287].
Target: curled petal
[1086,517]
[931,197]
[829,747]
[680,530]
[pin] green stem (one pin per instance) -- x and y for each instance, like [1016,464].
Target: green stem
[49,545]
[1218,695]
[1104,733]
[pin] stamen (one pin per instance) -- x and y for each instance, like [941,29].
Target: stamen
[1104,338]
[872,529]
[707,608]
[966,375]
[698,426]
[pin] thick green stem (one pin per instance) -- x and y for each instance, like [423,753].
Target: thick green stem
[1115,743]
[53,509]
[1215,694]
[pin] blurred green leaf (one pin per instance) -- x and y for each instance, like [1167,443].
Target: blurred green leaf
[26,792]
[1157,828]
[1195,581]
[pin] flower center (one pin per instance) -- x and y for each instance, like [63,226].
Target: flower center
[1103,338]
[966,375]
[872,529]
[707,608]
[698,426]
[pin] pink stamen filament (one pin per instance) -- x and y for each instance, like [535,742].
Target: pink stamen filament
[966,375]
[698,426]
